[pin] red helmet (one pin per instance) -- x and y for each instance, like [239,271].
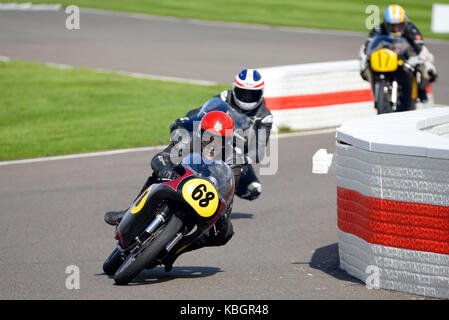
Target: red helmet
[217,123]
[216,130]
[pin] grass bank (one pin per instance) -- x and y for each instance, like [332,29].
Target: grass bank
[46,111]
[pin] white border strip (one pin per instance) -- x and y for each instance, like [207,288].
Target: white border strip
[122,73]
[137,75]
[152,148]
[81,155]
[28,6]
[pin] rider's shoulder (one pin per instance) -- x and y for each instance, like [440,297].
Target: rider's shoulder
[224,95]
[377,30]
[412,28]
[263,109]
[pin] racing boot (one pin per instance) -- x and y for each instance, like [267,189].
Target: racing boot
[218,236]
[170,260]
[422,95]
[114,217]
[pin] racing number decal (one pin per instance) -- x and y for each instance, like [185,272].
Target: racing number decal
[202,196]
[384,60]
[141,201]
[201,191]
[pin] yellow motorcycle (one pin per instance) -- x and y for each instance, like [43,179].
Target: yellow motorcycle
[393,74]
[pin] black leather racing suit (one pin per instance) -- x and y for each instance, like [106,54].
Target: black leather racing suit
[411,34]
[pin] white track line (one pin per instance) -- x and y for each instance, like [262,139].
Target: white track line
[130,150]
[81,155]
[135,74]
[12,6]
[125,73]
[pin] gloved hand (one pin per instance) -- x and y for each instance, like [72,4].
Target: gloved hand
[433,75]
[363,63]
[414,61]
[175,124]
[167,173]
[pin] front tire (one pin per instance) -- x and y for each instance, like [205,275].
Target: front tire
[135,263]
[383,102]
[113,262]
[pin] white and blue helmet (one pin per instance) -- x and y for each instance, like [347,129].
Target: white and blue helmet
[395,20]
[247,89]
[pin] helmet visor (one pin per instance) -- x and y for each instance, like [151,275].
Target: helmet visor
[247,96]
[396,27]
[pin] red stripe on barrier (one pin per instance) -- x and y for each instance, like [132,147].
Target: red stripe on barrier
[413,226]
[318,100]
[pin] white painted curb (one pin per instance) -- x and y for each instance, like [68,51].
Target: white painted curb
[393,200]
[319,95]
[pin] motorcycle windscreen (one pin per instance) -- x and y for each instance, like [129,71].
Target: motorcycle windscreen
[398,45]
[241,120]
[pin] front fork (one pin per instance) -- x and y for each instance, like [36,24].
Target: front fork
[394,95]
[161,216]
[393,89]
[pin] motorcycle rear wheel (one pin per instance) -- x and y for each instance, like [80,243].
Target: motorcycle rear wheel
[135,263]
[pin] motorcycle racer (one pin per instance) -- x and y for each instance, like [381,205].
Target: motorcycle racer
[246,96]
[216,131]
[396,24]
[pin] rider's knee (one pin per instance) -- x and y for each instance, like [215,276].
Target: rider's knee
[252,192]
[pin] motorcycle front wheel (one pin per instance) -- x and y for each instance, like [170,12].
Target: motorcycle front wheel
[112,263]
[383,102]
[150,251]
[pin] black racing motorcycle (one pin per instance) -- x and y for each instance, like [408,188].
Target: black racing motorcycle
[393,76]
[169,216]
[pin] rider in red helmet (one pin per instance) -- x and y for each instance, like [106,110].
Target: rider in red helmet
[216,133]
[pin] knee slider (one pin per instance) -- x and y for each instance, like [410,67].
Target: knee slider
[254,190]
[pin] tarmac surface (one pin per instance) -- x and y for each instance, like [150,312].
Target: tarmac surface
[183,48]
[285,243]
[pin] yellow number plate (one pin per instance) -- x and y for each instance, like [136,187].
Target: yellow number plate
[384,60]
[202,196]
[141,201]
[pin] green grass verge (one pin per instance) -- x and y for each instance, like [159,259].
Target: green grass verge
[327,14]
[47,111]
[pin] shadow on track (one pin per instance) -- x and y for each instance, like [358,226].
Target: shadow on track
[238,215]
[327,260]
[158,274]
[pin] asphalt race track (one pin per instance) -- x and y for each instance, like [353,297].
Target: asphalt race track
[180,48]
[285,243]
